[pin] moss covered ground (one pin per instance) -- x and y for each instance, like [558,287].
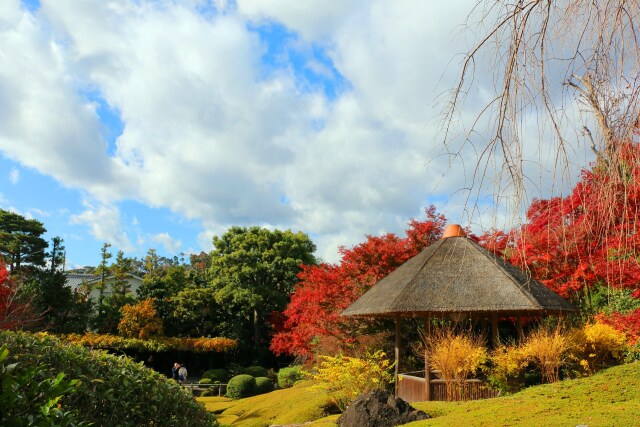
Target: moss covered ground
[608,398]
[298,404]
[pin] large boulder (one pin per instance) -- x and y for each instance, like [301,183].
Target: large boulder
[379,408]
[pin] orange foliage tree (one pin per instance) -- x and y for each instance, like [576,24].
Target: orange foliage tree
[140,320]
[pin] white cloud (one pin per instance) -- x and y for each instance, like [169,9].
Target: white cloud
[38,213]
[208,136]
[14,176]
[105,225]
[170,245]
[45,123]
[314,19]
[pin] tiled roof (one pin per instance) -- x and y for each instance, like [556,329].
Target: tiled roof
[75,280]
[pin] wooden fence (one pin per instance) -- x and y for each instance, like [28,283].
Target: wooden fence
[197,389]
[412,388]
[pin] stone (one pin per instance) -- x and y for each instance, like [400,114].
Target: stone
[379,408]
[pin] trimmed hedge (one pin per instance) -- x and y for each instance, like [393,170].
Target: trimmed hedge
[113,390]
[221,375]
[240,386]
[255,371]
[287,377]
[263,385]
[154,345]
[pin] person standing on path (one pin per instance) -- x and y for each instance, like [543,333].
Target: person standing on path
[174,371]
[182,374]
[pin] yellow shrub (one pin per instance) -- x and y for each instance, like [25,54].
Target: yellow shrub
[548,349]
[508,365]
[597,343]
[347,377]
[457,355]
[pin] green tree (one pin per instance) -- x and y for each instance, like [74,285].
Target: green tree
[21,241]
[103,271]
[195,313]
[122,268]
[57,255]
[253,271]
[60,308]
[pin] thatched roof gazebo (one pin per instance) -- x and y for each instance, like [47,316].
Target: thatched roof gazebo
[457,278]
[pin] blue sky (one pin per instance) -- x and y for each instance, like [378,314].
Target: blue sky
[158,124]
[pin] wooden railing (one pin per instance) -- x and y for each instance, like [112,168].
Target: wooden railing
[473,389]
[412,388]
[196,388]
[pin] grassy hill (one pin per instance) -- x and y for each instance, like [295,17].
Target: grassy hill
[298,404]
[609,398]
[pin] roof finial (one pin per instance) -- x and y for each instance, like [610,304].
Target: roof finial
[454,230]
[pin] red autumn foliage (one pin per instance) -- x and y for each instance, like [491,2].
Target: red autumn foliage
[592,236]
[325,290]
[13,313]
[628,323]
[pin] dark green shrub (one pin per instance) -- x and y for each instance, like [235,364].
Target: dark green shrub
[263,385]
[29,395]
[113,390]
[287,377]
[255,371]
[221,375]
[240,386]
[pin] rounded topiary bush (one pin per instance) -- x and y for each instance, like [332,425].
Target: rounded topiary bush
[287,377]
[221,375]
[241,386]
[255,371]
[205,381]
[263,385]
[113,390]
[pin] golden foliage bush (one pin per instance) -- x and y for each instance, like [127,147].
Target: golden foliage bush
[548,349]
[597,344]
[457,355]
[508,364]
[345,378]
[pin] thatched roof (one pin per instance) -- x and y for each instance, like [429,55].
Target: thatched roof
[456,275]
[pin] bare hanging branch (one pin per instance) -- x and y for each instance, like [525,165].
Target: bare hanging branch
[549,59]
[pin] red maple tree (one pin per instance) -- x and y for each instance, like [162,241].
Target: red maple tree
[325,290]
[14,314]
[589,237]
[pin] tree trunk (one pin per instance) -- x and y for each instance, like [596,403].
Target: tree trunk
[256,328]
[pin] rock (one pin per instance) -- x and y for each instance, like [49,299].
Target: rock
[379,408]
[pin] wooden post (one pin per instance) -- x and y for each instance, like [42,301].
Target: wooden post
[519,327]
[484,329]
[495,339]
[494,330]
[427,369]
[397,353]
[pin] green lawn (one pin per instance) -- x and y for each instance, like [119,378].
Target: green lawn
[298,404]
[609,398]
